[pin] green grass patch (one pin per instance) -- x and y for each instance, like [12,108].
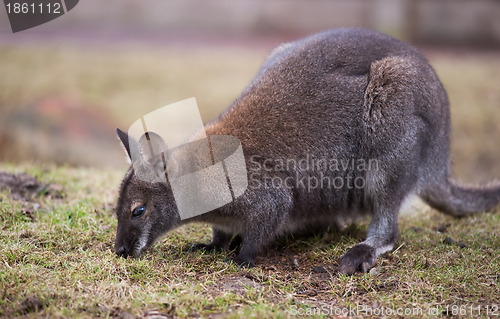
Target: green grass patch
[57,261]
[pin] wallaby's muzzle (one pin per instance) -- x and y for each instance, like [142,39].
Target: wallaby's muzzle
[125,244]
[121,251]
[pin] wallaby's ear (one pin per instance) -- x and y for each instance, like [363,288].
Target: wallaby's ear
[151,145]
[125,142]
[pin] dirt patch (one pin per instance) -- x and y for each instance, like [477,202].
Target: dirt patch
[450,242]
[240,284]
[24,187]
[31,304]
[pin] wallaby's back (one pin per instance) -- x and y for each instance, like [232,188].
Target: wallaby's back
[344,94]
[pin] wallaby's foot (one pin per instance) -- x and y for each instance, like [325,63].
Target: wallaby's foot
[361,257]
[243,261]
[220,241]
[246,256]
[209,248]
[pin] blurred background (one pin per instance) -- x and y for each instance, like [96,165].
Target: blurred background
[66,85]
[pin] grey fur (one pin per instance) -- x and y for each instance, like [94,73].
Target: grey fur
[342,94]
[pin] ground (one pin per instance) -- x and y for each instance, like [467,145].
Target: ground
[57,261]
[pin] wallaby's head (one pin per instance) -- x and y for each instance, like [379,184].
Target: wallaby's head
[145,209]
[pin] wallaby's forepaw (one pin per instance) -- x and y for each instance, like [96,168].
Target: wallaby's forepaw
[243,262]
[361,257]
[209,248]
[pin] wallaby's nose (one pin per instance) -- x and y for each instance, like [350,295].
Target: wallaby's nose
[121,251]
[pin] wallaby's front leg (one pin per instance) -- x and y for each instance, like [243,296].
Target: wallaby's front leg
[270,210]
[382,236]
[252,241]
[220,241]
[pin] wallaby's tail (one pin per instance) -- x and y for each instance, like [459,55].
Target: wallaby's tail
[457,200]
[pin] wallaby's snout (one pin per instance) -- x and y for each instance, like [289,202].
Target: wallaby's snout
[126,246]
[122,248]
[131,240]
[121,251]
[125,251]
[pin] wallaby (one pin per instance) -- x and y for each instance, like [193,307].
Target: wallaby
[345,105]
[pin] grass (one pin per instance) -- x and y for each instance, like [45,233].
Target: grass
[57,261]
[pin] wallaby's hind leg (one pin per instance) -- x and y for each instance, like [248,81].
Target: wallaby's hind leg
[220,241]
[391,97]
[382,236]
[384,196]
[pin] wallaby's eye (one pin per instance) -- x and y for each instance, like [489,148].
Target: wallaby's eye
[138,211]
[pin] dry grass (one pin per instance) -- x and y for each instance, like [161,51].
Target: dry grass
[56,260]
